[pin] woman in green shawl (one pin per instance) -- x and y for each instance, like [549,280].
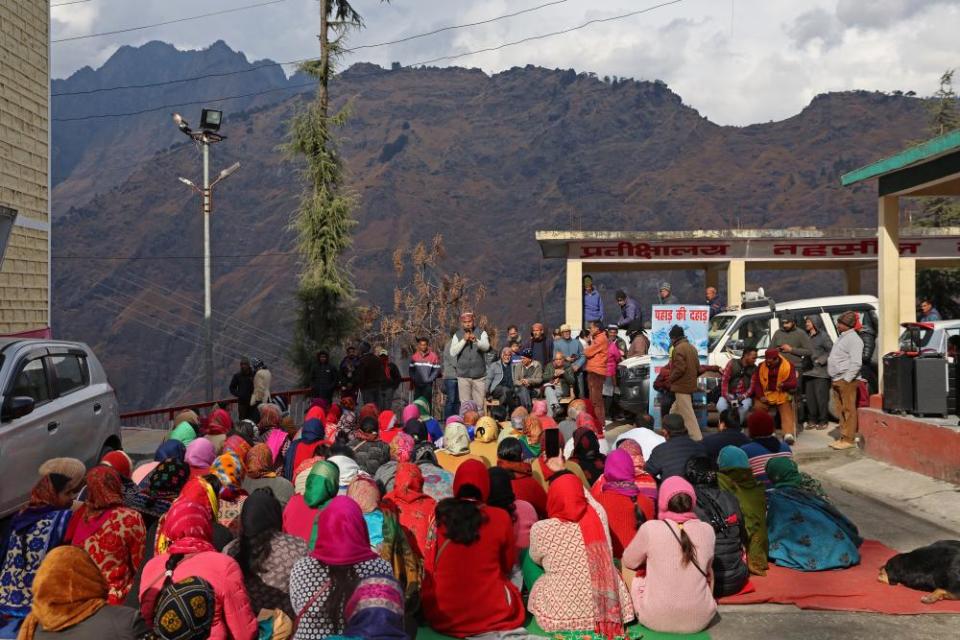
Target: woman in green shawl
[184,432]
[736,477]
[323,484]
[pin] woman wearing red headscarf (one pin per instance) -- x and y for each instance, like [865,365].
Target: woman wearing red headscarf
[113,535]
[474,545]
[188,527]
[415,508]
[580,589]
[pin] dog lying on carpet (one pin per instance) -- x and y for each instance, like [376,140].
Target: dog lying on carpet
[934,568]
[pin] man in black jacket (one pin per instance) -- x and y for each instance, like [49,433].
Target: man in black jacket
[670,458]
[323,377]
[241,388]
[370,377]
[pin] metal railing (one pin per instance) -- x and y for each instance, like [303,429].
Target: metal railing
[298,401]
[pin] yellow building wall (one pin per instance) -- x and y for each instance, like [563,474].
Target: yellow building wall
[24,162]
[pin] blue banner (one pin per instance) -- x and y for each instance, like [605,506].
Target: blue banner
[694,320]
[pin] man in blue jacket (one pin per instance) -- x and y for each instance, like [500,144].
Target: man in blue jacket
[592,304]
[629,310]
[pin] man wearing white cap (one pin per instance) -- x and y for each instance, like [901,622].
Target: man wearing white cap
[572,350]
[469,347]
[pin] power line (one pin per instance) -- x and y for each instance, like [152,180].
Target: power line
[551,34]
[373,73]
[302,60]
[166,22]
[63,4]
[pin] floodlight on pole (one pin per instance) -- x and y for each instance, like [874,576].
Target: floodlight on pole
[207,135]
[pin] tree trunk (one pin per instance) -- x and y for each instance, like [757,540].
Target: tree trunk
[322,88]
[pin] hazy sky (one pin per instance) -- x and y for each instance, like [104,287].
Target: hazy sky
[736,61]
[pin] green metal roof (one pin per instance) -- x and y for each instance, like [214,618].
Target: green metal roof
[921,153]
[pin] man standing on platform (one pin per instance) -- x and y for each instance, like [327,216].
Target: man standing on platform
[241,388]
[470,347]
[592,304]
[843,365]
[596,353]
[684,371]
[425,369]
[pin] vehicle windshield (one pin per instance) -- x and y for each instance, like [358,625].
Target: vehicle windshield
[718,326]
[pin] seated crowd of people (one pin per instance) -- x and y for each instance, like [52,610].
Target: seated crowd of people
[358,523]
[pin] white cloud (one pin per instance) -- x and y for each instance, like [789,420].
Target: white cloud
[763,64]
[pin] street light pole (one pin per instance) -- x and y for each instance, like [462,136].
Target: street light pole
[207,302]
[205,137]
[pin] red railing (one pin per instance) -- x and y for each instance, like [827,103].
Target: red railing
[298,400]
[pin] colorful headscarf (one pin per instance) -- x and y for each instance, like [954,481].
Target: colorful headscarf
[365,492]
[456,441]
[237,445]
[229,469]
[532,432]
[302,472]
[341,534]
[566,501]
[672,486]
[424,406]
[270,416]
[200,454]
[375,610]
[410,412]
[784,473]
[58,476]
[188,527]
[276,440]
[170,449]
[732,457]
[472,473]
[119,461]
[184,432]
[401,447]
[487,430]
[104,490]
[313,431]
[369,410]
[219,422]
[633,449]
[185,610]
[259,462]
[349,469]
[322,484]
[316,412]
[468,405]
[408,483]
[167,479]
[619,475]
[68,588]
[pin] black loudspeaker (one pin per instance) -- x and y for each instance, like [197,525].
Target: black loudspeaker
[898,385]
[931,386]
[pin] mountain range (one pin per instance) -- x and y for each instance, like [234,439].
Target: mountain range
[483,159]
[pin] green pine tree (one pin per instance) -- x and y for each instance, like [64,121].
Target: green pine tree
[941,211]
[324,221]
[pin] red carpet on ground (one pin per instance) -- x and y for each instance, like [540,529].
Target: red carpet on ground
[854,589]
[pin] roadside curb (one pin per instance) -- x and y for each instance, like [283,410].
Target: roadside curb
[934,501]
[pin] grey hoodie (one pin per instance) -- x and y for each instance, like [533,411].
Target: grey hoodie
[821,345]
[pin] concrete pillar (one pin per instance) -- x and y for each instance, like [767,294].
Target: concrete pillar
[853,281]
[574,306]
[713,276]
[736,281]
[908,290]
[888,275]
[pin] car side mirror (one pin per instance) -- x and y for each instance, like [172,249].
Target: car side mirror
[17,407]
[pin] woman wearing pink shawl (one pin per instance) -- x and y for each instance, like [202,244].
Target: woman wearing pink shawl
[322,582]
[676,594]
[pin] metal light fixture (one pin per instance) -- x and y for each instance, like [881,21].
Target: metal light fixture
[210,119]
